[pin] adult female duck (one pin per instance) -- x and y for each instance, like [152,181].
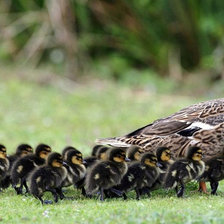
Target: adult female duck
[200,125]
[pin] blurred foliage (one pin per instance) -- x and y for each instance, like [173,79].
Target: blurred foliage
[165,36]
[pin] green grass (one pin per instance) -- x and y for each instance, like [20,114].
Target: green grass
[45,113]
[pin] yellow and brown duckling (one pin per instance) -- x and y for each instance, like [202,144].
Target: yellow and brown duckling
[163,155]
[66,150]
[106,174]
[214,172]
[185,170]
[4,165]
[141,174]
[76,170]
[134,153]
[24,166]
[99,153]
[48,177]
[21,150]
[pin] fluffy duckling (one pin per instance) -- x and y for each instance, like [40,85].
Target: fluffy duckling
[163,155]
[76,171]
[140,174]
[21,150]
[48,177]
[23,166]
[134,153]
[185,170]
[95,149]
[106,174]
[4,165]
[66,150]
[214,172]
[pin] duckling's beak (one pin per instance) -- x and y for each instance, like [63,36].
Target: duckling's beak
[84,162]
[159,164]
[64,163]
[127,159]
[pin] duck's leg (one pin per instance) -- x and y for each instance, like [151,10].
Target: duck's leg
[180,193]
[101,194]
[214,185]
[202,187]
[137,193]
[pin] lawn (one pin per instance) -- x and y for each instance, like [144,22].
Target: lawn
[35,113]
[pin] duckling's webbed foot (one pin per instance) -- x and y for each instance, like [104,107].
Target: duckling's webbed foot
[47,202]
[214,185]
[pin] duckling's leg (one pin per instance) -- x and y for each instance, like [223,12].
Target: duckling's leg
[101,194]
[26,187]
[180,193]
[125,196]
[137,193]
[214,185]
[60,193]
[54,193]
[83,191]
[202,187]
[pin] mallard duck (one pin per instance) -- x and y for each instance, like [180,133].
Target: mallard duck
[48,177]
[140,174]
[134,153]
[106,174]
[199,125]
[21,150]
[24,166]
[184,170]
[214,172]
[76,171]
[4,165]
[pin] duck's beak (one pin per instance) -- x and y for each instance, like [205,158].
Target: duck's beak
[127,159]
[84,162]
[159,164]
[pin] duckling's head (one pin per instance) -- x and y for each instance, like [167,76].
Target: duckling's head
[163,154]
[102,152]
[2,151]
[23,150]
[194,153]
[66,150]
[42,151]
[117,155]
[75,157]
[95,149]
[134,152]
[149,159]
[55,160]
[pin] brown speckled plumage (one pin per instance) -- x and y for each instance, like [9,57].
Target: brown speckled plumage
[169,131]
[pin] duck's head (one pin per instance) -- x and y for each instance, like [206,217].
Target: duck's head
[134,153]
[95,149]
[23,150]
[55,159]
[163,154]
[42,151]
[149,159]
[117,155]
[75,157]
[194,153]
[66,150]
[102,153]
[2,152]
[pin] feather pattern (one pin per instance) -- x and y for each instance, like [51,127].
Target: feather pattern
[200,124]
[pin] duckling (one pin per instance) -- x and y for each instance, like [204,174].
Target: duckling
[76,171]
[66,150]
[100,154]
[214,172]
[21,150]
[23,166]
[163,155]
[48,177]
[140,174]
[185,170]
[4,164]
[134,153]
[106,174]
[95,150]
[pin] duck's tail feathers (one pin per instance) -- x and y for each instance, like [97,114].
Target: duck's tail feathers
[112,141]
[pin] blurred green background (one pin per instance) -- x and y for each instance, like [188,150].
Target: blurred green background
[120,40]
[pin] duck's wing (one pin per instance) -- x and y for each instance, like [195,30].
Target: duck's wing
[188,120]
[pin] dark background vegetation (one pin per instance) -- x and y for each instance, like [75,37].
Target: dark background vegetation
[116,39]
